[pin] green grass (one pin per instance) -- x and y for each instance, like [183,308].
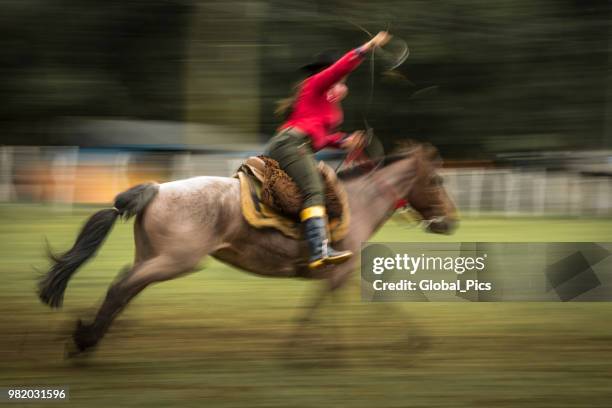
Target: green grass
[217,338]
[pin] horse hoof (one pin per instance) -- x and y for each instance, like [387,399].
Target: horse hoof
[72,351]
[84,337]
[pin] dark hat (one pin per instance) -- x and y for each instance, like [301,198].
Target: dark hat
[322,61]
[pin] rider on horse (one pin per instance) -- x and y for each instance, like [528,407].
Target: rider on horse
[315,113]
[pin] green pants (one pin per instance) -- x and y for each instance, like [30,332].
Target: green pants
[294,154]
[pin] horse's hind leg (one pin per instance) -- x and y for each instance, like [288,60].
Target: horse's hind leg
[160,268]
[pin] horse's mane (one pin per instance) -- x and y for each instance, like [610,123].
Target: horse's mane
[403,150]
[363,168]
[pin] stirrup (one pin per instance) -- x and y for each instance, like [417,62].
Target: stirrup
[339,258]
[316,264]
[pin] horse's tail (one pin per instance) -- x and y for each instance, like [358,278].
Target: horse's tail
[52,285]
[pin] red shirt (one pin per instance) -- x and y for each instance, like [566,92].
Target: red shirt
[313,113]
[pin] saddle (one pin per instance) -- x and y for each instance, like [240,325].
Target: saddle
[269,198]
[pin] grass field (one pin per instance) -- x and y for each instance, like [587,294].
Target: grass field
[217,338]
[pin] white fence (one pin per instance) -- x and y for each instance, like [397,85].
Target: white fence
[510,192]
[529,192]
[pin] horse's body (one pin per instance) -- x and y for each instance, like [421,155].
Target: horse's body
[180,222]
[210,215]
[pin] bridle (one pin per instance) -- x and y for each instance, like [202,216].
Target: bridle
[402,207]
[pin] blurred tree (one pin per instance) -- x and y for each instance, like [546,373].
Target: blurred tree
[96,58]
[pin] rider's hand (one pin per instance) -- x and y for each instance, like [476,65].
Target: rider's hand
[379,40]
[354,140]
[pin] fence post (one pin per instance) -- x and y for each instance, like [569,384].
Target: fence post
[7,190]
[63,171]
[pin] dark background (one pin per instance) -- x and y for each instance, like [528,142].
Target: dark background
[514,75]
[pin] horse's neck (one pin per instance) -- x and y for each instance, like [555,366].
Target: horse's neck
[373,196]
[399,176]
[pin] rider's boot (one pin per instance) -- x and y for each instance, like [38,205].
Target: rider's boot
[315,231]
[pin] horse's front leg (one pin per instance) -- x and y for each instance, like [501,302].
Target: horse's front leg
[337,278]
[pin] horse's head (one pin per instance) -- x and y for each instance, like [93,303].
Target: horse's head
[411,175]
[428,196]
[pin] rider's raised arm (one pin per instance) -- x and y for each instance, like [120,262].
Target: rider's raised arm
[324,80]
